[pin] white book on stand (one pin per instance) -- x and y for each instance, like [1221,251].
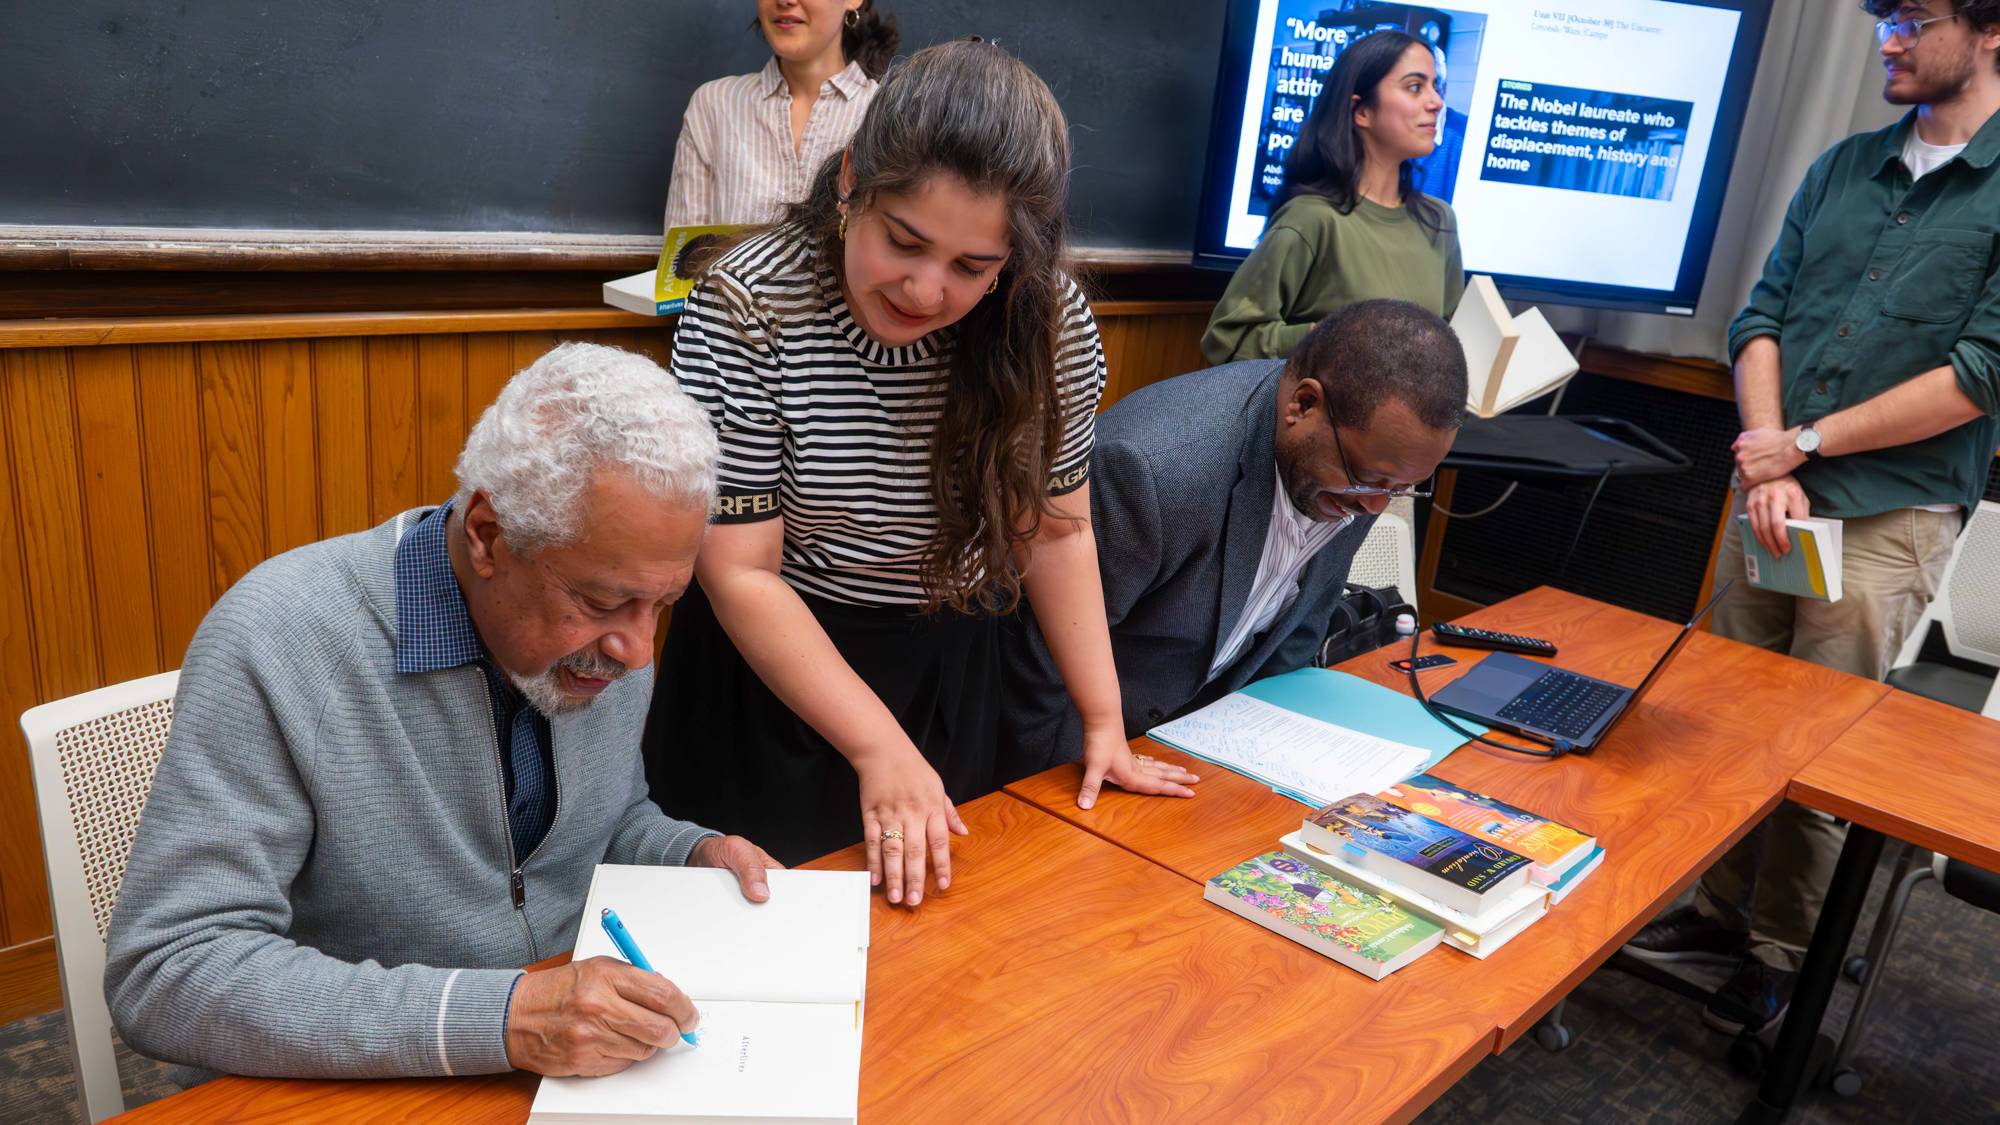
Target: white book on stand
[1508,359]
[779,987]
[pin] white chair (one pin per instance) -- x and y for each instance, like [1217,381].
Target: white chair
[93,757]
[1967,607]
[1388,557]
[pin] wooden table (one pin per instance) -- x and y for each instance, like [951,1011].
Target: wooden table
[1077,974]
[1707,754]
[1060,978]
[1870,776]
[1914,769]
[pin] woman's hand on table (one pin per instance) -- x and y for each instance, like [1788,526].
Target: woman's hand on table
[907,823]
[1107,757]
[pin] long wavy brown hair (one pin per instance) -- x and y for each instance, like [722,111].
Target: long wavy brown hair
[971,109]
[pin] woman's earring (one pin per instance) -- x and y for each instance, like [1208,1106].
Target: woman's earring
[995,287]
[843,226]
[852,17]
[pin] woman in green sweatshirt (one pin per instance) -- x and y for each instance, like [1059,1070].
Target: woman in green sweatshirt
[1350,225]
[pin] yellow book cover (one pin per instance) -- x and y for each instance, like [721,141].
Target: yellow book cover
[682,254]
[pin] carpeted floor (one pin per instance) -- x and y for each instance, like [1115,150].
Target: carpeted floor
[1641,1054]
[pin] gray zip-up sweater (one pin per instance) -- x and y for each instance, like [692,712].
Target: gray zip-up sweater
[320,885]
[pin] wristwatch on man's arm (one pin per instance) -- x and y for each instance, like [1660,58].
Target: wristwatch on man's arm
[1806,441]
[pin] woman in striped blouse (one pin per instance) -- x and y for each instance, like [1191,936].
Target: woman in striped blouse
[904,383]
[749,144]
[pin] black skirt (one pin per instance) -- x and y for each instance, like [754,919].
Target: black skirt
[722,751]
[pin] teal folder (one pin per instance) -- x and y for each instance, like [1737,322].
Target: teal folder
[1358,704]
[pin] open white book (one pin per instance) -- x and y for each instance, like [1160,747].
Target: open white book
[1508,359]
[779,986]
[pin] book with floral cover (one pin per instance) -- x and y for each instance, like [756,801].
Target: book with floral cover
[1355,927]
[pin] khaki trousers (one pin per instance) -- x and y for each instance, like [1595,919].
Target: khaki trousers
[1773,882]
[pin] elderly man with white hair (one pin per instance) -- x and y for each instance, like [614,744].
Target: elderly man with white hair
[397,755]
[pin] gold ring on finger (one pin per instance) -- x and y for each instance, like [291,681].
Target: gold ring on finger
[892,834]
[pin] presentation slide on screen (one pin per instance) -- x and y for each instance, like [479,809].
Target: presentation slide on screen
[1573,136]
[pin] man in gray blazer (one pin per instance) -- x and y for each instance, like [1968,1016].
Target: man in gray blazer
[1213,575]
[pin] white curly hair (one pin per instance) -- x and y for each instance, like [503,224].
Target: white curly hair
[578,409]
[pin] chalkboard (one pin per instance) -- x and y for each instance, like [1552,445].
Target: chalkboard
[515,115]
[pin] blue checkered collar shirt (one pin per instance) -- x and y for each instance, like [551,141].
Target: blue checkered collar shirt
[434,633]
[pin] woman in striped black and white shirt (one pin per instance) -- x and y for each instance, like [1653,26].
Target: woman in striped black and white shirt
[749,144]
[904,383]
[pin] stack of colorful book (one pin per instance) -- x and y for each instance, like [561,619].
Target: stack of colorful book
[1376,879]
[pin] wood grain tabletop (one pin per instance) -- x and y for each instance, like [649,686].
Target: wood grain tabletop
[1707,753]
[1059,978]
[1917,770]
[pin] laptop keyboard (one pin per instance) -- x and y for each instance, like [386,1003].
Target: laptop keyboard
[1562,703]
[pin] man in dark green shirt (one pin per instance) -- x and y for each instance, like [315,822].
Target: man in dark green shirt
[1868,380]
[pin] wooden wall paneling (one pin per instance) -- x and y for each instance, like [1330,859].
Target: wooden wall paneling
[393,457]
[291,448]
[441,425]
[1153,356]
[47,470]
[637,340]
[340,391]
[55,332]
[656,342]
[527,347]
[1189,333]
[21,876]
[44,466]
[114,506]
[176,476]
[231,423]
[489,363]
[1115,334]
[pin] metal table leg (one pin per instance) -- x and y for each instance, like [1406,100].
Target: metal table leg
[1786,1073]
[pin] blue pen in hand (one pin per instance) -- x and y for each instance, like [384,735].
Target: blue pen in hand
[622,938]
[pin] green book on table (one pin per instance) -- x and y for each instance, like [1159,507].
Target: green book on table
[1355,927]
[1811,569]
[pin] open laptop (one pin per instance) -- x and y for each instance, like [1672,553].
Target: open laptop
[1551,705]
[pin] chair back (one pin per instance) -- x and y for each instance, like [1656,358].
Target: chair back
[1387,557]
[1967,605]
[1969,595]
[93,757]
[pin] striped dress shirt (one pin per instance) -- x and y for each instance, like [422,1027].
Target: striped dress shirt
[735,161]
[1290,542]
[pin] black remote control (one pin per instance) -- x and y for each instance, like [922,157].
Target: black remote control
[1467,637]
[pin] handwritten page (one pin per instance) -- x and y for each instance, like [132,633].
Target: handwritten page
[1314,761]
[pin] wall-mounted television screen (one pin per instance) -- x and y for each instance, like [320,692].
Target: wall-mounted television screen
[1584,147]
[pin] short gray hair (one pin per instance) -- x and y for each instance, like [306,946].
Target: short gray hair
[579,409]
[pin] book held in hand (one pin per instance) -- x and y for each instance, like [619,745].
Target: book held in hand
[1360,929]
[778,986]
[1553,848]
[1811,569]
[1462,871]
